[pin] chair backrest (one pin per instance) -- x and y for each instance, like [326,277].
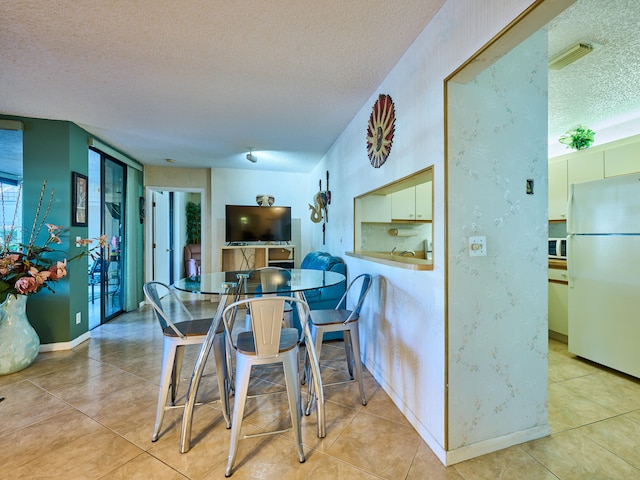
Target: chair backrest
[365,280]
[155,292]
[271,278]
[266,320]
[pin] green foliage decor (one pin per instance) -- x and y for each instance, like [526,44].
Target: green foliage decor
[579,138]
[193,222]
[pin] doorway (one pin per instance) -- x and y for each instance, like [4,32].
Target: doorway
[107,182]
[167,232]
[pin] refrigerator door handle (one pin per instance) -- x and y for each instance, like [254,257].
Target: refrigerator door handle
[569,209]
[570,260]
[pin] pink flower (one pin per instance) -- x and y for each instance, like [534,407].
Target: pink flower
[26,285]
[102,241]
[40,277]
[58,271]
[7,263]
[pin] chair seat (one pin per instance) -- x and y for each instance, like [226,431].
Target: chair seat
[288,340]
[331,317]
[190,328]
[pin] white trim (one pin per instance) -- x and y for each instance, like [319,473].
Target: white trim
[95,143]
[148,226]
[56,347]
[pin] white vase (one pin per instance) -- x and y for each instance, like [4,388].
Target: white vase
[19,342]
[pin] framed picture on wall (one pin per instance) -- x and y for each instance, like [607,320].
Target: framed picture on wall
[79,199]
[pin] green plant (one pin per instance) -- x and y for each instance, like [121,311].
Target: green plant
[579,138]
[193,222]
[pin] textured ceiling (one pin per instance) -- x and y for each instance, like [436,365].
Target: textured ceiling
[602,89]
[201,81]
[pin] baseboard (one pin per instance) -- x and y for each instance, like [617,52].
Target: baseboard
[494,444]
[558,336]
[59,346]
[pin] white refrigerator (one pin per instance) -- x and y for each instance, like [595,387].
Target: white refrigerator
[603,263]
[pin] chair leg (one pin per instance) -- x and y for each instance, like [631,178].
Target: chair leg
[175,375]
[290,365]
[346,335]
[219,353]
[168,365]
[243,372]
[355,353]
[317,335]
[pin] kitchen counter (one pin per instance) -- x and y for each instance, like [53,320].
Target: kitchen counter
[385,258]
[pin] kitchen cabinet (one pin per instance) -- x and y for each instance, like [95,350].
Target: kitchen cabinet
[375,208]
[622,160]
[558,189]
[413,203]
[424,201]
[585,166]
[403,204]
[558,304]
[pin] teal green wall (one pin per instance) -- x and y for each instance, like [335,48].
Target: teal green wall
[52,150]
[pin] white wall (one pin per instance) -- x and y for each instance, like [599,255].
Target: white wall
[240,187]
[403,331]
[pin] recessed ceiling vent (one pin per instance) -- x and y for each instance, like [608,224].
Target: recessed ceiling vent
[570,55]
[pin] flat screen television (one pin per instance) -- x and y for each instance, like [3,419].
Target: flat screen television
[248,223]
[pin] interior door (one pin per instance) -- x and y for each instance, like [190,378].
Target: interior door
[161,238]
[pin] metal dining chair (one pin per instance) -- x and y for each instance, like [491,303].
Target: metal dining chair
[268,342]
[341,319]
[176,335]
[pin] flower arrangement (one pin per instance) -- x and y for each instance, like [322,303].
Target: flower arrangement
[26,268]
[579,138]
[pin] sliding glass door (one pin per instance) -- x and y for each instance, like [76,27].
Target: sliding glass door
[106,203]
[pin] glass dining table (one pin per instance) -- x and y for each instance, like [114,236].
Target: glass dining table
[233,285]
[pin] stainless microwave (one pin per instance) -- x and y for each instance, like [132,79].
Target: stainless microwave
[558,248]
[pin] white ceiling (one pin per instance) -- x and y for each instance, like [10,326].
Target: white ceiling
[202,84]
[602,89]
[202,81]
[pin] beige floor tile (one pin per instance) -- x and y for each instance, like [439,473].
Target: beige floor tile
[426,466]
[509,464]
[144,467]
[329,468]
[266,458]
[377,445]
[573,456]
[90,451]
[611,390]
[619,435]
[25,404]
[567,409]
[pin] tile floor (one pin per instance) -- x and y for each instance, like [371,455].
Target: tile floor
[88,414]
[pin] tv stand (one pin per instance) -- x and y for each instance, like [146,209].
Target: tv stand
[250,257]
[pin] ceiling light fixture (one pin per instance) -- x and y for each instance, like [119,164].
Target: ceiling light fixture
[570,55]
[252,158]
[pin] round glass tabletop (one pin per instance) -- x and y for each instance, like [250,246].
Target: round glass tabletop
[261,281]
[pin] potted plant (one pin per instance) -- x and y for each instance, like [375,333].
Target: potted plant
[193,222]
[579,138]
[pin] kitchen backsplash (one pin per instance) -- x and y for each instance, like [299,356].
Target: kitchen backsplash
[378,237]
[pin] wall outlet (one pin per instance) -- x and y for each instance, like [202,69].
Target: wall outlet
[477,246]
[78,318]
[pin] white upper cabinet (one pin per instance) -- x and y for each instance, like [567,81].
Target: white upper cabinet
[622,160]
[403,204]
[375,208]
[424,201]
[558,189]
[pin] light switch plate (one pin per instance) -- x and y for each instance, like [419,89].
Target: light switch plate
[477,246]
